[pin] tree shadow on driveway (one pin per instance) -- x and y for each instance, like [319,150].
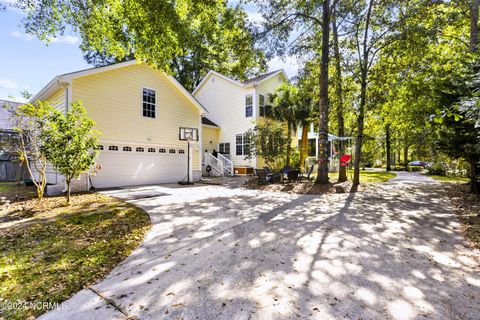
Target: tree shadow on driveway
[391,252]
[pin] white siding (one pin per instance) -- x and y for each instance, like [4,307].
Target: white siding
[225,102]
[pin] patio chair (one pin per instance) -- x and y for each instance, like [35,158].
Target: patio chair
[262,176]
[286,169]
[308,176]
[292,175]
[274,176]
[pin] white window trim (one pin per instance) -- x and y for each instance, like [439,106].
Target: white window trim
[264,105]
[141,102]
[253,105]
[243,144]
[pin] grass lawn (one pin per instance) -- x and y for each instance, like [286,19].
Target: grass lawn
[450,179]
[12,190]
[366,176]
[49,251]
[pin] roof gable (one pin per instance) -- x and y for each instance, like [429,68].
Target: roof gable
[247,83]
[65,79]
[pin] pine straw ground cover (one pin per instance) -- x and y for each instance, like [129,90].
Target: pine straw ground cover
[468,209]
[49,251]
[367,179]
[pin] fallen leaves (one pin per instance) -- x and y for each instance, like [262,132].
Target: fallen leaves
[65,248]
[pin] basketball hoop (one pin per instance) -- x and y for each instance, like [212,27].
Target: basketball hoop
[190,135]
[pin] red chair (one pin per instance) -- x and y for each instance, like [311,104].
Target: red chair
[344,159]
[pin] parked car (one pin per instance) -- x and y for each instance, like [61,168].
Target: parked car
[418,163]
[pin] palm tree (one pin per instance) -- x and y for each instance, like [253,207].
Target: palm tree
[292,106]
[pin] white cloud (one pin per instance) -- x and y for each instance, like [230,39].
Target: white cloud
[8,85]
[290,64]
[19,35]
[66,39]
[255,17]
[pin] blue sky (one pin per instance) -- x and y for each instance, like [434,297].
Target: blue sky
[27,63]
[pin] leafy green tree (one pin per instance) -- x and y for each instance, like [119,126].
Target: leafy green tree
[310,21]
[186,38]
[269,140]
[29,120]
[69,142]
[292,105]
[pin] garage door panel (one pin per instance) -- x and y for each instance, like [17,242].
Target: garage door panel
[124,169]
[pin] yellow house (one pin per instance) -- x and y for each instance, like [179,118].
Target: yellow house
[140,112]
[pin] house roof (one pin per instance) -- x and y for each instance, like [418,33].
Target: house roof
[246,83]
[260,78]
[208,122]
[65,80]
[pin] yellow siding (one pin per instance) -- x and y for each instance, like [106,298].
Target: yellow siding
[209,139]
[113,99]
[57,99]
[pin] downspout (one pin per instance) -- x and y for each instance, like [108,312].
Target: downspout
[67,87]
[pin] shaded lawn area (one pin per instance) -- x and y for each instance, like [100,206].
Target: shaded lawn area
[49,251]
[13,190]
[450,179]
[468,209]
[366,176]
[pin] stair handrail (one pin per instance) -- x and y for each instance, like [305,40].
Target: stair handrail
[227,163]
[214,162]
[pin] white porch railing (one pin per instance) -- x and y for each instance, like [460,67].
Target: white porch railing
[213,162]
[227,164]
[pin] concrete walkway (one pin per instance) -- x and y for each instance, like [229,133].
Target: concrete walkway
[393,252]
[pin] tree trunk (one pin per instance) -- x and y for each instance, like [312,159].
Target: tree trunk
[68,191]
[474,5]
[363,60]
[304,145]
[474,177]
[289,144]
[322,174]
[388,147]
[405,157]
[342,170]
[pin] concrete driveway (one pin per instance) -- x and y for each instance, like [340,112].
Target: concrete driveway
[394,252]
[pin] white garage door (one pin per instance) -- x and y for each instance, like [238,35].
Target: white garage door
[134,165]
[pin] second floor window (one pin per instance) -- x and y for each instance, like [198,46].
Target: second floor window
[224,148]
[149,103]
[248,106]
[261,105]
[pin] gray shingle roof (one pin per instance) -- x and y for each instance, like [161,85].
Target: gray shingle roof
[260,77]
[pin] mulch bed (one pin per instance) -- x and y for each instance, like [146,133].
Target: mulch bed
[304,187]
[467,207]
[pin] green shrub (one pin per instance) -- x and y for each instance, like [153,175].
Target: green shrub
[416,168]
[436,169]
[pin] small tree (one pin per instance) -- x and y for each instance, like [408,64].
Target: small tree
[29,120]
[269,140]
[70,142]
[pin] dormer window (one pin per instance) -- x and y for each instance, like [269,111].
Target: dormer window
[149,103]
[248,106]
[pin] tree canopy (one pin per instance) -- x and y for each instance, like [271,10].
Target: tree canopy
[186,37]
